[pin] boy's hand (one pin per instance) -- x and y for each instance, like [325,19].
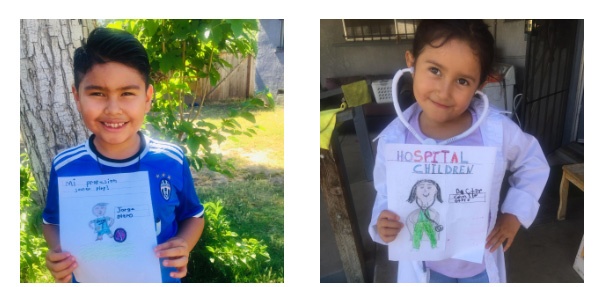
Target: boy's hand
[505,229]
[388,226]
[60,265]
[175,251]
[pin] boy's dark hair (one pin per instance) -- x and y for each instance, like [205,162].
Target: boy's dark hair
[413,192]
[110,45]
[474,32]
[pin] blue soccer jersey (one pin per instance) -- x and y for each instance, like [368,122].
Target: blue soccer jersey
[172,191]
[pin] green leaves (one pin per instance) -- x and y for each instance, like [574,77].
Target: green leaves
[238,260]
[236,26]
[248,116]
[32,244]
[182,54]
[169,61]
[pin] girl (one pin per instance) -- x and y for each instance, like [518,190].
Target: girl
[451,60]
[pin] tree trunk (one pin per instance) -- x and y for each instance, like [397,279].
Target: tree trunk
[50,121]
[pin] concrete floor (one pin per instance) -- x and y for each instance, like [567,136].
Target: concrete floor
[544,253]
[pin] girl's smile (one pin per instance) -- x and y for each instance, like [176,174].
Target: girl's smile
[440,105]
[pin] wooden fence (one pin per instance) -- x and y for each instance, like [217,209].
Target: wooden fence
[236,83]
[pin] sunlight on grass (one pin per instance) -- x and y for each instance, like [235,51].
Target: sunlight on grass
[258,157]
[265,148]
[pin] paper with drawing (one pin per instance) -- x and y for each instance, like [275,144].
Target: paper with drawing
[107,223]
[442,195]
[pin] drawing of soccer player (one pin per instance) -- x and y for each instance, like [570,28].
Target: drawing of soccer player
[101,223]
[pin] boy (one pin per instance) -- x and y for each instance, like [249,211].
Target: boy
[113,94]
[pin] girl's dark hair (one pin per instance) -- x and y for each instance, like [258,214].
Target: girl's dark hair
[110,45]
[413,191]
[474,32]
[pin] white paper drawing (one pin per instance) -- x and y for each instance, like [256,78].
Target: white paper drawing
[107,223]
[441,194]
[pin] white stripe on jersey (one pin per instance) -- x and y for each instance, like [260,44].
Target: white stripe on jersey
[168,149]
[115,164]
[200,213]
[46,222]
[68,160]
[68,152]
[168,146]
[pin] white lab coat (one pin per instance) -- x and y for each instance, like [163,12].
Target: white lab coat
[518,152]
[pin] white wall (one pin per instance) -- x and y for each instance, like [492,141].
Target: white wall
[339,58]
[270,62]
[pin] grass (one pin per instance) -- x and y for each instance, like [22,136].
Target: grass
[266,148]
[253,199]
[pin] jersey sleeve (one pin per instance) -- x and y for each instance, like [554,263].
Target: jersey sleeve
[50,215]
[190,205]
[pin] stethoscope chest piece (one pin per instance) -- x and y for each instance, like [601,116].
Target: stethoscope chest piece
[430,141]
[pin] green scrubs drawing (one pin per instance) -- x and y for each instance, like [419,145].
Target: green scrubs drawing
[424,225]
[421,221]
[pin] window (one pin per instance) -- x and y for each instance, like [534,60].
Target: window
[379,29]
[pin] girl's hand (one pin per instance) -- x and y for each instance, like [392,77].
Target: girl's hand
[175,252]
[388,226]
[60,265]
[505,229]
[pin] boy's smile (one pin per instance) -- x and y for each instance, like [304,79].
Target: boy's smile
[444,82]
[113,102]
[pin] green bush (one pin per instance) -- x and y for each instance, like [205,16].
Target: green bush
[221,256]
[32,246]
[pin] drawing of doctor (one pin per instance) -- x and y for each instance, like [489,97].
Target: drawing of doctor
[424,220]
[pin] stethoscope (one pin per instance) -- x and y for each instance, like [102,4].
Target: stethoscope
[430,141]
[438,227]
